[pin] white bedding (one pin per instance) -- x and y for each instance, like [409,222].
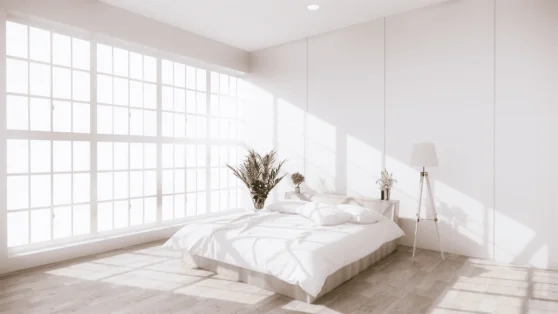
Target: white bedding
[289,247]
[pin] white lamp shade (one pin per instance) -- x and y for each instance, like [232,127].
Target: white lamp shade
[424,155]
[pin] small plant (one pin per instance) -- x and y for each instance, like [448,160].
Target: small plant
[386,181]
[297,178]
[260,174]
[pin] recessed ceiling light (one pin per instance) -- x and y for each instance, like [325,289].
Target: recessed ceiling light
[313,7]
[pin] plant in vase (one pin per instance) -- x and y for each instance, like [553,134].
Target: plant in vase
[260,174]
[298,179]
[385,183]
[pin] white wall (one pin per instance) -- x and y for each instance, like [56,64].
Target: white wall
[476,78]
[100,18]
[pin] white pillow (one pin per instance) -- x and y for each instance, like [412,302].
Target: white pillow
[324,214]
[361,215]
[286,206]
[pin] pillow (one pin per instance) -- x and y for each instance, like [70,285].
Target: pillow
[361,215]
[286,206]
[324,214]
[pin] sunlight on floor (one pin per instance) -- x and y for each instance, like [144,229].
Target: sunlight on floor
[487,287]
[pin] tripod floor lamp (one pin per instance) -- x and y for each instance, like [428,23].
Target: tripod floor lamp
[424,155]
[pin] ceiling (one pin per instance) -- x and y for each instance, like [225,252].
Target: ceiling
[255,24]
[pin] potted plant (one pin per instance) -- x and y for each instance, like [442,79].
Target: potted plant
[385,184]
[298,179]
[260,174]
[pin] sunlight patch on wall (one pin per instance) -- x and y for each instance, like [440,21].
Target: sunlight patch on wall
[364,164]
[321,155]
[517,237]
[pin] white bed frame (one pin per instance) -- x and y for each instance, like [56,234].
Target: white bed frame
[333,281]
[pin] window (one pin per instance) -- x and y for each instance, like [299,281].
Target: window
[74,172]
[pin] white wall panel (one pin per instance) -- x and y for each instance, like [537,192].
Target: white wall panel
[527,132]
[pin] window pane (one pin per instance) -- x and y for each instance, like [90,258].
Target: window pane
[40,79]
[40,114]
[191,180]
[81,117]
[179,184]
[191,77]
[104,156]
[62,116]
[190,155]
[179,125]
[104,58]
[18,228]
[81,188]
[136,94]
[167,98]
[149,123]
[120,185]
[104,89]
[179,100]
[16,40]
[80,54]
[136,212]
[191,126]
[168,211]
[136,156]
[179,156]
[121,214]
[80,86]
[104,186]
[16,76]
[62,222]
[191,204]
[136,183]
[17,112]
[62,156]
[81,219]
[18,192]
[81,156]
[201,127]
[149,69]
[179,206]
[120,91]
[136,66]
[167,72]
[168,182]
[18,154]
[104,216]
[149,156]
[149,96]
[40,156]
[201,80]
[149,183]
[104,119]
[150,209]
[167,155]
[120,156]
[62,83]
[179,75]
[167,121]
[62,187]
[191,101]
[120,62]
[40,44]
[121,117]
[214,82]
[136,122]
[40,191]
[61,54]
[40,225]
[223,84]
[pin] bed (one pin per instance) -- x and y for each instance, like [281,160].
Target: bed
[288,254]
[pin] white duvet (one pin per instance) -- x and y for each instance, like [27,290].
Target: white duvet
[289,247]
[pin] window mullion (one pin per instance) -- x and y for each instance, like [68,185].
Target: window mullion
[93,143]
[159,142]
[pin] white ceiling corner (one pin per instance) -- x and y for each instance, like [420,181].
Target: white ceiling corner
[256,24]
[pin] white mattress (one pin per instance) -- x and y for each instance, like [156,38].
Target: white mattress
[289,247]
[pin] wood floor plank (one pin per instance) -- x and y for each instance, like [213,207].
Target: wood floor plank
[147,279]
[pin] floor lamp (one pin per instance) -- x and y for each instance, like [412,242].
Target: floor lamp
[424,155]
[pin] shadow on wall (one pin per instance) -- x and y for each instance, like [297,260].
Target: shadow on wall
[337,157]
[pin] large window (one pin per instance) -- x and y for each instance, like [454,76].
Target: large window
[103,139]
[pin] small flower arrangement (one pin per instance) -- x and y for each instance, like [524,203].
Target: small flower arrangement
[386,181]
[298,179]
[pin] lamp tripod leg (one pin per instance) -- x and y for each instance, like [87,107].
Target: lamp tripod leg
[435,215]
[418,216]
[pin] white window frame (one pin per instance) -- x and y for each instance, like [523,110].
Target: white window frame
[93,138]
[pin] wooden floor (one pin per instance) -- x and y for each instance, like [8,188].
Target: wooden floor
[146,279]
